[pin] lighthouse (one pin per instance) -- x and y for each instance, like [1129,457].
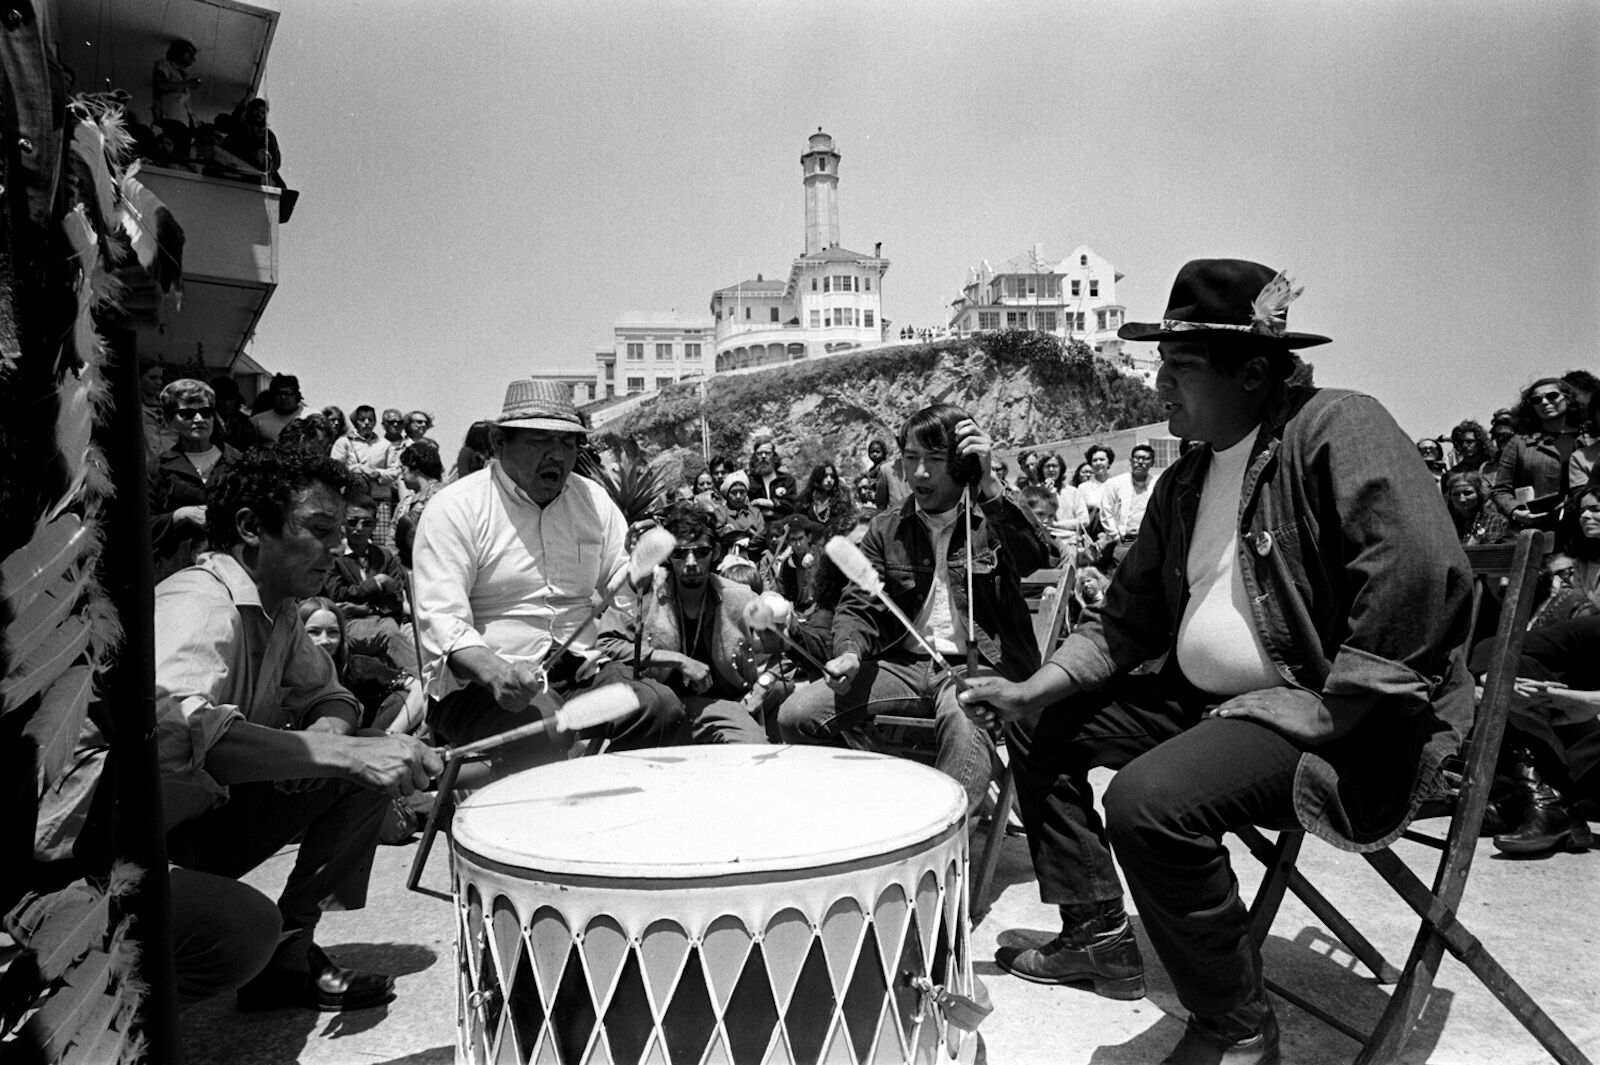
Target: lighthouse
[820,165]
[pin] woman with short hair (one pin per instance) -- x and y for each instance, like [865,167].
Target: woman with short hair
[182,474]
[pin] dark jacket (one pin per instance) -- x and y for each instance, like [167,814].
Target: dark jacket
[1537,461]
[784,492]
[174,483]
[1358,588]
[361,597]
[1007,545]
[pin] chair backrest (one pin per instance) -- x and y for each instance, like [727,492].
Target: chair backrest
[1515,567]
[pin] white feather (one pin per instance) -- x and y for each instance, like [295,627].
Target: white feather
[1268,310]
[653,548]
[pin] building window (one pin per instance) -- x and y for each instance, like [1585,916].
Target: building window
[816,319]
[868,282]
[1047,321]
[1100,320]
[774,314]
[662,382]
[988,319]
[827,284]
[813,284]
[635,352]
[747,314]
[1094,287]
[1016,319]
[663,352]
[1083,260]
[691,351]
[1077,287]
[866,319]
[611,371]
[635,385]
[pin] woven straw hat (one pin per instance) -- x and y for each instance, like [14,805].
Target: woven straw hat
[534,404]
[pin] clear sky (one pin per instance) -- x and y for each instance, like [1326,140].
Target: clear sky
[488,184]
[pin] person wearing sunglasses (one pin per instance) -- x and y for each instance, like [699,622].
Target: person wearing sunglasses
[182,473]
[690,634]
[1531,477]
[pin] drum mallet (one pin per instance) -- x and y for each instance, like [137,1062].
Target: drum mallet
[761,614]
[584,710]
[653,548]
[858,569]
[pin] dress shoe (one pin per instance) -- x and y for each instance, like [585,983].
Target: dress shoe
[1546,826]
[1100,951]
[1221,1041]
[321,985]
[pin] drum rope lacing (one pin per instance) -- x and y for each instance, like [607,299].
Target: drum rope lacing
[947,1006]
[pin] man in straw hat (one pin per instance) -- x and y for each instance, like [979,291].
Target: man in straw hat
[1300,577]
[509,561]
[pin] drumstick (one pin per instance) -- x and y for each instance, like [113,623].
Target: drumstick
[582,711]
[858,569]
[758,614]
[586,710]
[651,550]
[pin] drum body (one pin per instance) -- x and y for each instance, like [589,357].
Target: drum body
[724,904]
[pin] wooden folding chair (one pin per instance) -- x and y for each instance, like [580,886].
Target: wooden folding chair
[1517,564]
[1048,592]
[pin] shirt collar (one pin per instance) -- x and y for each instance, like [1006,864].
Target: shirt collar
[227,569]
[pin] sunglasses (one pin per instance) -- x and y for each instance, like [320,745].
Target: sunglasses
[196,412]
[361,523]
[703,551]
[1548,397]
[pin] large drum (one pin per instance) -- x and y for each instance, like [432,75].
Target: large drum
[725,904]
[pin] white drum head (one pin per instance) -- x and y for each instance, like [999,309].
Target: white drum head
[687,812]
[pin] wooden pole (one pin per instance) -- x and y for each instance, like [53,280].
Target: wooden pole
[127,572]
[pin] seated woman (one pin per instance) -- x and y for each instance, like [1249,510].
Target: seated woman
[1580,536]
[1477,519]
[182,475]
[391,699]
[824,499]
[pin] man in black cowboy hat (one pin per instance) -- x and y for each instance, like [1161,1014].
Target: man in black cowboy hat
[508,561]
[1299,579]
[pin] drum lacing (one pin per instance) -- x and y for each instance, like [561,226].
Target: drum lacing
[947,1006]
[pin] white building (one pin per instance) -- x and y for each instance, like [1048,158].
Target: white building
[832,300]
[1073,298]
[652,350]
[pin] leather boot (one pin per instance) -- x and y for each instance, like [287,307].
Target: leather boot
[1247,1035]
[1096,947]
[1547,823]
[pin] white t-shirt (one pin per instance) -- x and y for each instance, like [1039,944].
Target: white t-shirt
[1219,647]
[935,621]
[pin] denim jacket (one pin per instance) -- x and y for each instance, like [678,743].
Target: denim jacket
[1358,588]
[1007,544]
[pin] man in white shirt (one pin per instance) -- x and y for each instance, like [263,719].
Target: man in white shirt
[1303,586]
[508,561]
[1123,501]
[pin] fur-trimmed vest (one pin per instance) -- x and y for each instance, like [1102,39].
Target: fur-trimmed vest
[736,652]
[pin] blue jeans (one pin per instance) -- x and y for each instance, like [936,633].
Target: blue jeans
[904,686]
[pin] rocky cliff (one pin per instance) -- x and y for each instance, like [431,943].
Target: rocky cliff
[1023,387]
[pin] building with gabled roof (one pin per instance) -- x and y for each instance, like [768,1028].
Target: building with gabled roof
[1074,298]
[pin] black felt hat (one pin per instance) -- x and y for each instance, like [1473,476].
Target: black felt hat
[1226,297]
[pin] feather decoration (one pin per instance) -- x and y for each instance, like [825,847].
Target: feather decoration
[1269,311]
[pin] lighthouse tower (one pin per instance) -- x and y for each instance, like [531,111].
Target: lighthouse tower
[820,164]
